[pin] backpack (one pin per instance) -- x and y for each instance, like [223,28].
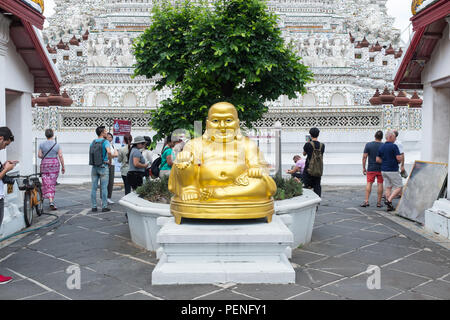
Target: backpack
[154,168]
[315,165]
[96,153]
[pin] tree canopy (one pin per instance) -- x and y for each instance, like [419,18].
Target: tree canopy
[232,51]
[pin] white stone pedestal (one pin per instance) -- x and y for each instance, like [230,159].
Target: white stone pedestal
[239,251]
[437,218]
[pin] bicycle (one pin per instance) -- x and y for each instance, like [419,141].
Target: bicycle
[33,198]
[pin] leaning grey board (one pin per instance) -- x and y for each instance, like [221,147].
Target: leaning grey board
[423,187]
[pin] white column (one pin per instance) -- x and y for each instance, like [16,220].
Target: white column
[4,39]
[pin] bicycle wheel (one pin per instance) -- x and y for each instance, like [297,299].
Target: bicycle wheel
[27,209]
[39,207]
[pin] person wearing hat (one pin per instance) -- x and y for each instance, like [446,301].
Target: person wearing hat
[136,163]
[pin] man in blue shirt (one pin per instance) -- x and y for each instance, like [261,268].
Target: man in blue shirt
[373,168]
[389,156]
[101,172]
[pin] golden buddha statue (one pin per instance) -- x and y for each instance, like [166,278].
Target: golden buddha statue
[221,175]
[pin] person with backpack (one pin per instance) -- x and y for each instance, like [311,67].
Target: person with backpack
[99,158]
[313,171]
[136,163]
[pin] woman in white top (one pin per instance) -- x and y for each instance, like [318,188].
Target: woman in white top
[112,167]
[123,159]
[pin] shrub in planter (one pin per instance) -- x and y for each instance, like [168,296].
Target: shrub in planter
[157,190]
[287,188]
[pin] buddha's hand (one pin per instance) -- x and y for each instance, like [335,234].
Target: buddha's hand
[190,194]
[255,173]
[184,159]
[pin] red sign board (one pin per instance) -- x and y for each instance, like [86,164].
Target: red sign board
[121,127]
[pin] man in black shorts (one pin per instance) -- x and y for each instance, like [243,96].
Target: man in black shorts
[312,182]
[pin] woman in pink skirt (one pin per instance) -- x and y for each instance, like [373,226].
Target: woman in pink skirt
[51,155]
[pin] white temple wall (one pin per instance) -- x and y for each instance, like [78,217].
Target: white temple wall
[342,159]
[15,109]
[436,106]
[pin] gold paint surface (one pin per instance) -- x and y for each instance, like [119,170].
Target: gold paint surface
[222,174]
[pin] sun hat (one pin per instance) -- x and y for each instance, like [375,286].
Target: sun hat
[138,139]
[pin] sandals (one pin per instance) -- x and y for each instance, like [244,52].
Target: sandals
[365,204]
[379,205]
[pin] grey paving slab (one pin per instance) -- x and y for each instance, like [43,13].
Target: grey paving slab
[382,229]
[270,292]
[32,264]
[317,295]
[19,288]
[104,289]
[356,288]
[181,292]
[424,269]
[368,257]
[47,296]
[302,257]
[135,273]
[393,252]
[58,280]
[340,266]
[325,232]
[226,295]
[369,235]
[349,242]
[136,296]
[326,249]
[354,224]
[431,257]
[400,280]
[403,242]
[312,278]
[437,288]
[413,296]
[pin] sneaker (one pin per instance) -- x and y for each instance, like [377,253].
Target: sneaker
[94,209]
[106,209]
[110,201]
[53,207]
[5,280]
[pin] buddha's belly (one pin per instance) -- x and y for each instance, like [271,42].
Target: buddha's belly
[220,173]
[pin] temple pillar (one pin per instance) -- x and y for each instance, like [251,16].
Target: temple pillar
[4,39]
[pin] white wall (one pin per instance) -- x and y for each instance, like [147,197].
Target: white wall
[15,110]
[436,103]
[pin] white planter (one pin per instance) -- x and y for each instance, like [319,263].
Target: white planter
[297,213]
[142,215]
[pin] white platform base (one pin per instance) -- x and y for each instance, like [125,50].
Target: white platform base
[246,251]
[437,218]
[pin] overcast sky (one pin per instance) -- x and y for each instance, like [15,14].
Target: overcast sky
[400,9]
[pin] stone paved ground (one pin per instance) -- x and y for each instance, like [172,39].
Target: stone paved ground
[346,240]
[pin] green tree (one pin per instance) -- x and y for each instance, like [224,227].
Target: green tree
[232,51]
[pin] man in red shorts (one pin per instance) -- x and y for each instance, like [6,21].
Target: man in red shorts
[373,169]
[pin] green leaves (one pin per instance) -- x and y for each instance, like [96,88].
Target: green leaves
[232,52]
